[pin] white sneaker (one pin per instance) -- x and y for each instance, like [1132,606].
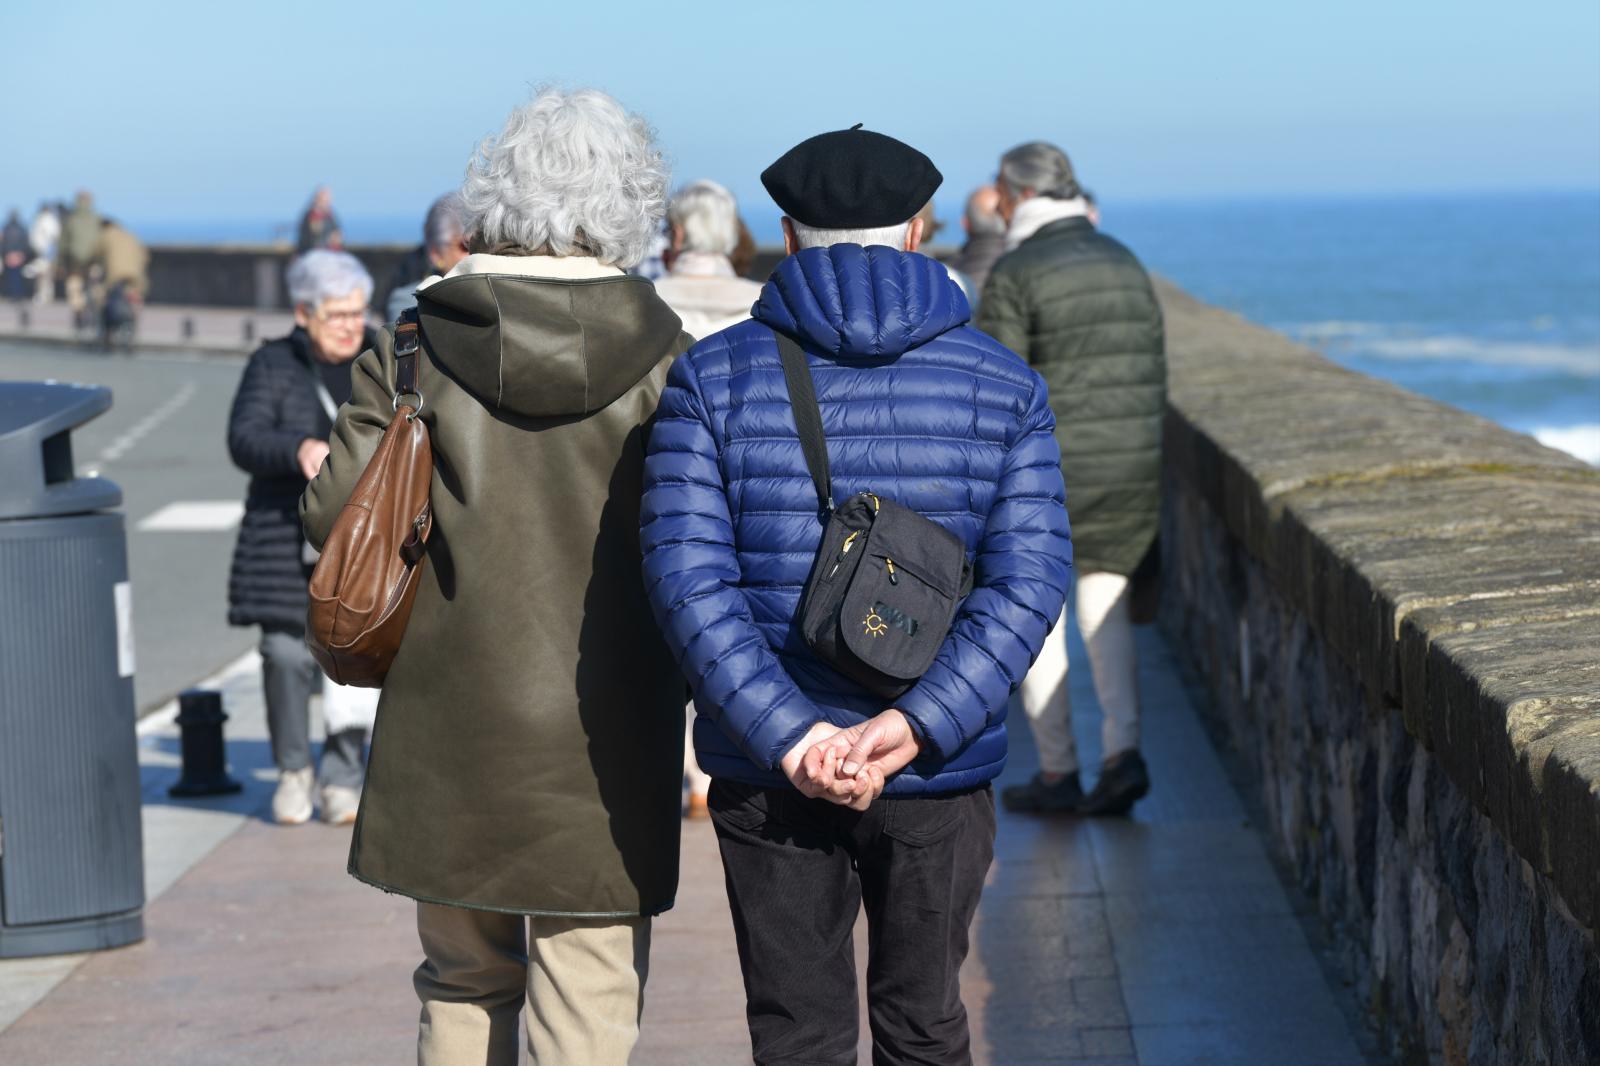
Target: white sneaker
[339,804]
[291,804]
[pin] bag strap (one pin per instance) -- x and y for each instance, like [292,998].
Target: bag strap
[807,419]
[407,343]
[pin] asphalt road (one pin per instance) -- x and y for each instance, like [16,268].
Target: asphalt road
[163,442]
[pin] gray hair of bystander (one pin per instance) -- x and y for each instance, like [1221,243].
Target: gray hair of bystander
[1042,167]
[322,275]
[811,237]
[446,223]
[571,173]
[708,215]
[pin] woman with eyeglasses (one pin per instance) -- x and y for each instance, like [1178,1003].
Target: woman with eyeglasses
[278,433]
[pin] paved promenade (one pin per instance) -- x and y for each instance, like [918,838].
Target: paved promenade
[1163,939]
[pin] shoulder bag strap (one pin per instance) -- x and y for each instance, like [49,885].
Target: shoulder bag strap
[807,418]
[407,343]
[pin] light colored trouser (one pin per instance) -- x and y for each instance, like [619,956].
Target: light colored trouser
[583,980]
[1108,634]
[699,780]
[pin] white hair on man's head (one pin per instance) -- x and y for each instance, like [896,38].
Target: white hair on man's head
[812,237]
[322,274]
[708,215]
[569,174]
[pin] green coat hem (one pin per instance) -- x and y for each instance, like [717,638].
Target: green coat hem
[395,890]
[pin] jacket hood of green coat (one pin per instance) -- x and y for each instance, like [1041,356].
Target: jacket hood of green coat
[546,347]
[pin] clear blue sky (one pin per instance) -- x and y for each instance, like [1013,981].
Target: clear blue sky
[189,110]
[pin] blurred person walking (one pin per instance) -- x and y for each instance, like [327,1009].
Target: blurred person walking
[15,252]
[930,229]
[916,405]
[319,226]
[444,244]
[45,237]
[80,247]
[706,292]
[126,262]
[525,778]
[278,433]
[702,286]
[1079,307]
[986,236]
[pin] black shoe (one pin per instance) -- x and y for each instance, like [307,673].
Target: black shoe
[1124,781]
[1037,797]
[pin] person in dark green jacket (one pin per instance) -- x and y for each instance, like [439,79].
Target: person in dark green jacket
[1080,309]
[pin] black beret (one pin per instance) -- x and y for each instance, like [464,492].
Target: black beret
[851,179]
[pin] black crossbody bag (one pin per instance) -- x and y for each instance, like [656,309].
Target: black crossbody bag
[886,582]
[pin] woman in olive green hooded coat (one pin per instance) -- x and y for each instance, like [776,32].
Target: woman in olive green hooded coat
[525,771]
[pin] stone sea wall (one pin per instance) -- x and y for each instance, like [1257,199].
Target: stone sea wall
[1396,608]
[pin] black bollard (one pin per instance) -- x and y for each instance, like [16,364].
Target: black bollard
[188,329]
[23,321]
[205,763]
[249,330]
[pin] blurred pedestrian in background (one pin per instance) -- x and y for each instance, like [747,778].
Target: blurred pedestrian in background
[278,433]
[702,286]
[1079,307]
[45,237]
[319,226]
[15,251]
[80,246]
[125,262]
[525,782]
[986,236]
[930,229]
[444,244]
[705,290]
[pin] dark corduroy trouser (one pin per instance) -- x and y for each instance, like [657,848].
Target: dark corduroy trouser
[799,871]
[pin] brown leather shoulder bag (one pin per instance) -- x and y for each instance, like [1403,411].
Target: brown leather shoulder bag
[366,578]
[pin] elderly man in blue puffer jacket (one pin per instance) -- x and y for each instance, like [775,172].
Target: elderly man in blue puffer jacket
[919,407]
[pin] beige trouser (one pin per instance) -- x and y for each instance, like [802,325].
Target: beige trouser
[1108,634]
[583,980]
[699,780]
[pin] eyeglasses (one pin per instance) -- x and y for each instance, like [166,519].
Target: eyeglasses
[342,318]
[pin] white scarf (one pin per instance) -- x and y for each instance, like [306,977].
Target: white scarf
[1033,215]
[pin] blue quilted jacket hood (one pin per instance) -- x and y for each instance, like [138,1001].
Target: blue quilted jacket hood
[916,406]
[847,300]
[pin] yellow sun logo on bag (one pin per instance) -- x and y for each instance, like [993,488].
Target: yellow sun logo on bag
[876,626]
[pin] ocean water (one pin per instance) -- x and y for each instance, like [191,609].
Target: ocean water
[1488,303]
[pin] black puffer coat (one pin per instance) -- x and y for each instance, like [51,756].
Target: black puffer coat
[1079,308]
[275,409]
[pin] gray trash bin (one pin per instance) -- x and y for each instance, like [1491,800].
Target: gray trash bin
[71,853]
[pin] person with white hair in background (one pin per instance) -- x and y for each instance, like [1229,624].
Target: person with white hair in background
[1079,307]
[278,431]
[708,295]
[986,236]
[701,285]
[525,784]
[444,244]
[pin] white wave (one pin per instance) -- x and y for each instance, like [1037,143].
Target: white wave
[1408,343]
[1582,440]
[1584,362]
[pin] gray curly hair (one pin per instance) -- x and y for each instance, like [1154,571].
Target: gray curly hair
[571,173]
[322,274]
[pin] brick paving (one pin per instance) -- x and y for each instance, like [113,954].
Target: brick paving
[1161,939]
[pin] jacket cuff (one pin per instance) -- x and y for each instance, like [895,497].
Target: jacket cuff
[922,713]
